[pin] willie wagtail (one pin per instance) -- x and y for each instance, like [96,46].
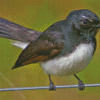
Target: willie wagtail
[64,48]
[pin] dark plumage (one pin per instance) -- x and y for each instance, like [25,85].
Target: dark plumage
[68,34]
[64,48]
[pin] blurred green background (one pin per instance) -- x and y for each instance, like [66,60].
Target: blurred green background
[38,15]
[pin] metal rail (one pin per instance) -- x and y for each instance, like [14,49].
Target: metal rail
[47,87]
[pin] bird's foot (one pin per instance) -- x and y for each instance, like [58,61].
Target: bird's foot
[81,85]
[52,87]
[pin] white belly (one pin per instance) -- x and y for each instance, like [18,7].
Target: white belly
[70,64]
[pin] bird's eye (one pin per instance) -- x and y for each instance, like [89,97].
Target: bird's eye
[85,21]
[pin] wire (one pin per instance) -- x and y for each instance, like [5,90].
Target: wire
[46,87]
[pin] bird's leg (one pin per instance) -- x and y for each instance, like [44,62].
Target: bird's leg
[80,83]
[52,86]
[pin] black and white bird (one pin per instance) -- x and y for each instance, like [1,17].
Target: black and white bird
[65,48]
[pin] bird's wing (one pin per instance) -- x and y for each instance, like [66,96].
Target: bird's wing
[41,50]
[14,31]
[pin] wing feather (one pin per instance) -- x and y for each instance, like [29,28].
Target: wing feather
[38,51]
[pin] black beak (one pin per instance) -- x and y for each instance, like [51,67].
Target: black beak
[96,26]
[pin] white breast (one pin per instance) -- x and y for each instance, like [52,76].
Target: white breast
[71,64]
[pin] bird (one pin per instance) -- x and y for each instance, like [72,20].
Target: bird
[64,48]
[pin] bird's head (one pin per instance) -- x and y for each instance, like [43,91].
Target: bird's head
[84,21]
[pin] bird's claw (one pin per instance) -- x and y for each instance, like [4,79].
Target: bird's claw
[52,87]
[81,85]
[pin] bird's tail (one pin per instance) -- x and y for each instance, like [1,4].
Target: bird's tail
[20,44]
[17,32]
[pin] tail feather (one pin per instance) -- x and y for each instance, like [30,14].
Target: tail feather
[14,31]
[20,44]
[22,35]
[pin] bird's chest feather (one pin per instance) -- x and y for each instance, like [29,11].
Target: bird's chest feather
[70,64]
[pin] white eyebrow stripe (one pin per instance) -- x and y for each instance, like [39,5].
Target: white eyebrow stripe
[86,18]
